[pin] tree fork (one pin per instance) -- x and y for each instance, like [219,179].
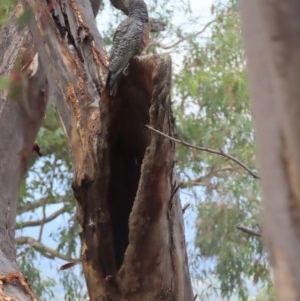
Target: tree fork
[132,237]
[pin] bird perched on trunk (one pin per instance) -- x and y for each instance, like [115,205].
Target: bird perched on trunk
[130,39]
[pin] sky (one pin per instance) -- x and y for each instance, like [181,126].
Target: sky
[202,7]
[198,7]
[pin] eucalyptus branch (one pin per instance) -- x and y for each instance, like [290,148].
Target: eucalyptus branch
[182,38]
[208,150]
[45,220]
[32,206]
[193,35]
[38,203]
[43,249]
[249,231]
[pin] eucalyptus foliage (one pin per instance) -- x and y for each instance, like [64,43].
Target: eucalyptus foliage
[212,110]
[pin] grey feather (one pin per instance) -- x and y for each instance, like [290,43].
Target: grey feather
[127,42]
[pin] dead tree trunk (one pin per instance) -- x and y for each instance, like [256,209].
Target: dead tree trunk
[132,238]
[271,34]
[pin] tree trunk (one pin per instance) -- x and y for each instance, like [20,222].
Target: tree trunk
[22,108]
[271,35]
[132,232]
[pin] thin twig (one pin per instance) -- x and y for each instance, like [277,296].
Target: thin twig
[249,231]
[43,249]
[54,215]
[41,202]
[208,150]
[182,38]
[193,35]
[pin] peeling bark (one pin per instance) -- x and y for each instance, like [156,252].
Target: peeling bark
[132,237]
[22,108]
[272,42]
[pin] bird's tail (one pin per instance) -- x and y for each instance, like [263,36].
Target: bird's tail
[112,82]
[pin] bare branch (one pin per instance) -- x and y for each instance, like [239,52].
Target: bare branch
[208,150]
[43,249]
[249,231]
[184,38]
[181,38]
[41,202]
[35,223]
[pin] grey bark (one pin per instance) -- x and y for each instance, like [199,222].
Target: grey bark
[271,34]
[22,108]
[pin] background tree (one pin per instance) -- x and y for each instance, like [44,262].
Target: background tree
[273,65]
